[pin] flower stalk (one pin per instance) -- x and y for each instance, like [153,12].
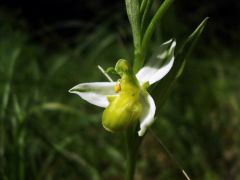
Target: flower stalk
[133,142]
[137,16]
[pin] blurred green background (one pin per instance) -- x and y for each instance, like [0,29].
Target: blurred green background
[46,47]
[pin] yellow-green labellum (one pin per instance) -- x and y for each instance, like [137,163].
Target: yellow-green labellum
[125,108]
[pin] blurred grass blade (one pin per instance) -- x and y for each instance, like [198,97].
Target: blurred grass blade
[57,65]
[8,62]
[20,139]
[163,87]
[170,154]
[9,73]
[54,106]
[189,44]
[78,163]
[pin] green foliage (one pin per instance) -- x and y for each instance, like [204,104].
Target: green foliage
[142,30]
[44,136]
[180,61]
[36,105]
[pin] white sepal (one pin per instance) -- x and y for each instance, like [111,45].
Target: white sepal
[95,93]
[159,65]
[147,117]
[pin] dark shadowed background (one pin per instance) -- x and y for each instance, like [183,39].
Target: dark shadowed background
[46,47]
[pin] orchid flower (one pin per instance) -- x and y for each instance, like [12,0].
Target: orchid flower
[127,100]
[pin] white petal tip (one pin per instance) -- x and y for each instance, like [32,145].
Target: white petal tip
[72,90]
[169,41]
[95,93]
[148,113]
[141,132]
[173,44]
[160,63]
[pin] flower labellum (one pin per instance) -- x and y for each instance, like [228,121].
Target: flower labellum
[127,100]
[124,108]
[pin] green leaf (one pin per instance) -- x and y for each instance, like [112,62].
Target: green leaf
[133,12]
[145,15]
[150,29]
[143,6]
[163,88]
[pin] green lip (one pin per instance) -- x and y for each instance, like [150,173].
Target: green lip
[124,108]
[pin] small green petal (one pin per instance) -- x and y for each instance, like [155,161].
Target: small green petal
[122,67]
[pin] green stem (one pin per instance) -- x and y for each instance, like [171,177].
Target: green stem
[138,60]
[131,164]
[133,142]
